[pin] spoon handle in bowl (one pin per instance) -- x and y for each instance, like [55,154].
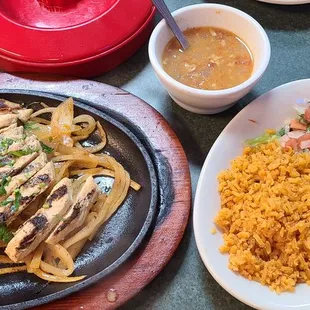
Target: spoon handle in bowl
[165,13]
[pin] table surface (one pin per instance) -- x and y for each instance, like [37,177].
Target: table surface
[185,283]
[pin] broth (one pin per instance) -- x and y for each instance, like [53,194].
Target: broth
[216,59]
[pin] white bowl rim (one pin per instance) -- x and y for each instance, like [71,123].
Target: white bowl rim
[228,91]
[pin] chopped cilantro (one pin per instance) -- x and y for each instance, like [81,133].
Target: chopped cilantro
[5,234]
[21,153]
[5,143]
[17,199]
[46,148]
[6,202]
[281,132]
[5,181]
[31,126]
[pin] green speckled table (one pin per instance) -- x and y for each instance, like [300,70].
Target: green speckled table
[185,283]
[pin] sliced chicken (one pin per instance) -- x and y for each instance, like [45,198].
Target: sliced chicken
[24,114]
[6,160]
[12,132]
[14,158]
[17,145]
[28,172]
[3,130]
[8,105]
[77,213]
[27,213]
[28,193]
[7,119]
[11,142]
[12,166]
[36,229]
[30,144]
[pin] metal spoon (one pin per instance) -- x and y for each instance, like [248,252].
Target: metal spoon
[165,13]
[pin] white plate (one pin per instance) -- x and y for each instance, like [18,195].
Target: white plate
[270,111]
[286,2]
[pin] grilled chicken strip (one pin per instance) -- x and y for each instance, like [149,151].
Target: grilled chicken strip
[18,155]
[13,166]
[36,229]
[28,193]
[30,144]
[12,107]
[7,119]
[10,128]
[77,213]
[6,106]
[24,114]
[25,175]
[13,132]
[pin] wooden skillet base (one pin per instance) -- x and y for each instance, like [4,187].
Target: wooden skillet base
[171,222]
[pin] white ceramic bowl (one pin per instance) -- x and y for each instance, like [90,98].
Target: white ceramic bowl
[212,15]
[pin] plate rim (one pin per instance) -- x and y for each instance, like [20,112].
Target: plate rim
[286,2]
[154,199]
[199,188]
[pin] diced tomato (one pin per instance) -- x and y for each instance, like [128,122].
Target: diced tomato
[305,137]
[296,125]
[304,144]
[307,114]
[304,141]
[292,143]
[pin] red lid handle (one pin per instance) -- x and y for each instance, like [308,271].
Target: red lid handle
[57,3]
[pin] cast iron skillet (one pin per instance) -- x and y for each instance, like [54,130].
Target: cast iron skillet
[118,239]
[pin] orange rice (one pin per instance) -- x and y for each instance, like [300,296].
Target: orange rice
[265,216]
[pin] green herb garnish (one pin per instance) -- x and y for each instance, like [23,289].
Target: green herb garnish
[46,148]
[31,126]
[281,132]
[6,202]
[21,153]
[5,234]
[5,143]
[5,181]
[17,199]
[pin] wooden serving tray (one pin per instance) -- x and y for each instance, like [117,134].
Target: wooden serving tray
[174,178]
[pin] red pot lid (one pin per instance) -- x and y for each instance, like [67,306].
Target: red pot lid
[57,31]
